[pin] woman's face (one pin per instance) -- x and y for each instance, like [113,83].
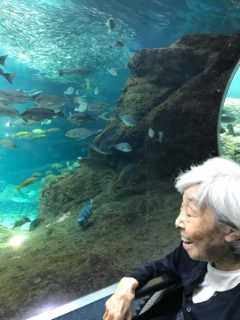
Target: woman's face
[202,238]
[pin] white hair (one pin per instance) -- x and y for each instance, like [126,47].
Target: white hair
[219,189]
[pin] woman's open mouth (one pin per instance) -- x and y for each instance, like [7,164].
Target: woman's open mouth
[186,243]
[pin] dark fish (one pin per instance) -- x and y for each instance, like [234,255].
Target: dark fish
[50,101]
[101,148]
[8,76]
[2,60]
[230,129]
[7,143]
[85,214]
[111,24]
[127,171]
[116,44]
[39,114]
[226,118]
[79,117]
[74,71]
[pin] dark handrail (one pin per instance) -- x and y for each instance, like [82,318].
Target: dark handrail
[156,284]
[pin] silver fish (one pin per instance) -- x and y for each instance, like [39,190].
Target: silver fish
[16,96]
[101,148]
[81,133]
[97,106]
[122,146]
[8,111]
[108,116]
[128,120]
[74,71]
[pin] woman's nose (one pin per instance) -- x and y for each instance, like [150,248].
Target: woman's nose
[179,222]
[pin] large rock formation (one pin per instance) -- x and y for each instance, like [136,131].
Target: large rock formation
[176,91]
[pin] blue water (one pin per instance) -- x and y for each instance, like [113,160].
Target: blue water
[63,34]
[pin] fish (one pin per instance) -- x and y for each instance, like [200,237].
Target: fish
[160,136]
[127,120]
[74,71]
[8,111]
[87,85]
[226,118]
[21,134]
[151,133]
[122,146]
[69,91]
[111,24]
[101,148]
[113,71]
[2,60]
[97,106]
[38,114]
[8,76]
[109,133]
[37,131]
[96,91]
[26,183]
[37,136]
[116,44]
[108,116]
[85,214]
[81,133]
[7,143]
[52,130]
[16,96]
[127,171]
[51,101]
[21,123]
[79,117]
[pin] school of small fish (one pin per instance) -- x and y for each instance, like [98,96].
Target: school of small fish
[55,46]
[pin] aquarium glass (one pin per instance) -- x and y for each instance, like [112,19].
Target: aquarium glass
[89,145]
[229,121]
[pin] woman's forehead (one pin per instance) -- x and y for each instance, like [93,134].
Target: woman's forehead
[191,192]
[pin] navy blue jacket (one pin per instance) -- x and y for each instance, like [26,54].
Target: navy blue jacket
[221,306]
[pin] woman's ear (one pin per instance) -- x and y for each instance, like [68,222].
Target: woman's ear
[232,235]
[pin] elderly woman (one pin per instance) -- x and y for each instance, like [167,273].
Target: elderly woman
[208,258]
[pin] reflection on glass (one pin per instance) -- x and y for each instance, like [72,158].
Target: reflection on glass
[229,123]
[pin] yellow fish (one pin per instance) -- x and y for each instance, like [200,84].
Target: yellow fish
[37,131]
[21,134]
[26,182]
[52,130]
[37,136]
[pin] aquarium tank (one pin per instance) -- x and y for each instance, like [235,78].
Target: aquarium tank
[102,103]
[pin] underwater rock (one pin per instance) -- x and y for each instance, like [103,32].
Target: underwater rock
[176,91]
[35,223]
